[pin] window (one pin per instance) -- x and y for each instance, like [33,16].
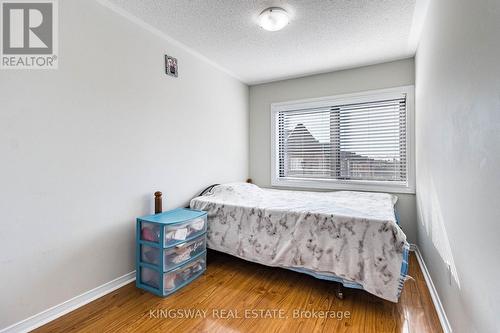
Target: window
[358,141]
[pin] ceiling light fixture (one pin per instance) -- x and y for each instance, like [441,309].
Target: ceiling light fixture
[273,19]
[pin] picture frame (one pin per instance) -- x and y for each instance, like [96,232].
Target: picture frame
[171,66]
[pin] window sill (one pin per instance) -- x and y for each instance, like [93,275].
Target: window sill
[346,186]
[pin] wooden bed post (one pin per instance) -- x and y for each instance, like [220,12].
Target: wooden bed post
[158,208]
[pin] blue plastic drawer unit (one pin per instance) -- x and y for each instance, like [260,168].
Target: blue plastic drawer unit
[171,250]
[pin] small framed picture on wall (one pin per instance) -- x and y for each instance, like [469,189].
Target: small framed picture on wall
[171,66]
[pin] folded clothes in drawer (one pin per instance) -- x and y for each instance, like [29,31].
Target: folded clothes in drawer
[179,277]
[150,277]
[181,253]
[176,278]
[174,233]
[150,232]
[174,255]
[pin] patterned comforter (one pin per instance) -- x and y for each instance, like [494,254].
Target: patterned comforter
[351,235]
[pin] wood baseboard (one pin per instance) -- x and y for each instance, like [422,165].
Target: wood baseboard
[432,289]
[61,309]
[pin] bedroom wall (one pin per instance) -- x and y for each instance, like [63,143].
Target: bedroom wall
[391,74]
[458,158]
[84,147]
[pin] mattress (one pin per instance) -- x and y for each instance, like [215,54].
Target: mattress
[345,236]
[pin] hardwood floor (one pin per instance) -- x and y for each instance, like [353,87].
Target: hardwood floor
[230,286]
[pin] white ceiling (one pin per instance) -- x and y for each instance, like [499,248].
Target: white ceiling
[323,35]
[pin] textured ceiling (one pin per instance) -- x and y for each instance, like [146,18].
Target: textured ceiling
[323,35]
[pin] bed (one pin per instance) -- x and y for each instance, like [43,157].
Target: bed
[349,237]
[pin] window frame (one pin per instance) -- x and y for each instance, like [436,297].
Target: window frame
[355,185]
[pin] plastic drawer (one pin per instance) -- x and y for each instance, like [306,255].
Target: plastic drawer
[174,279]
[173,233]
[175,255]
[150,277]
[177,278]
[150,232]
[181,253]
[150,254]
[177,233]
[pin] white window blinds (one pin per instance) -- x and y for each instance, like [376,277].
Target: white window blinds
[344,141]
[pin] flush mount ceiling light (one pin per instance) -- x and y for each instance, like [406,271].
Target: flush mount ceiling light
[273,19]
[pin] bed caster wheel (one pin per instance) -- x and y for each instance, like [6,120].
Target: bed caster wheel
[339,292]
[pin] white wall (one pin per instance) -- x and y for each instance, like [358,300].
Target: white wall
[392,74]
[83,148]
[458,158]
